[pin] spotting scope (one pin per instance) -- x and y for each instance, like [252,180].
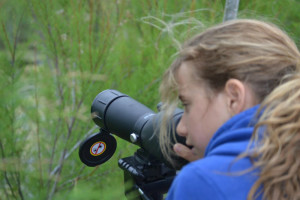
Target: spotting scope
[118,114]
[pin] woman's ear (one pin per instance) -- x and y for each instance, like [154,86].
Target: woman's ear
[235,91]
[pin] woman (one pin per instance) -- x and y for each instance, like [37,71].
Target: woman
[221,76]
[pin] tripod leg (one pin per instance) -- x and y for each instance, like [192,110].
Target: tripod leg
[131,190]
[153,196]
[134,192]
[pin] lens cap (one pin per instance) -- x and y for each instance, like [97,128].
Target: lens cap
[97,148]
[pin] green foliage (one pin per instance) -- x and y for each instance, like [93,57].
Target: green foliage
[56,56]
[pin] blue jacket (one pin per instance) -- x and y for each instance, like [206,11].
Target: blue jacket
[218,175]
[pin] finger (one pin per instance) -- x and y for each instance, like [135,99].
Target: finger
[185,152]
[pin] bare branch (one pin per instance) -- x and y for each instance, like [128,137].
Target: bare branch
[75,147]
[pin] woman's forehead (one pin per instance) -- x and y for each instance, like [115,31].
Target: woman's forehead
[187,72]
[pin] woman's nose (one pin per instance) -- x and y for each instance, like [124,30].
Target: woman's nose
[181,128]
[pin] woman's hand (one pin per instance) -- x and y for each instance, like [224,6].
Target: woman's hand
[185,152]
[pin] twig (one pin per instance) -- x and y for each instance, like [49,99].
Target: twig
[54,147]
[38,122]
[86,177]
[75,147]
[13,58]
[7,39]
[5,173]
[19,185]
[64,155]
[91,6]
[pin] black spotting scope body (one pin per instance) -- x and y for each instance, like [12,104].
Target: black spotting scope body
[130,120]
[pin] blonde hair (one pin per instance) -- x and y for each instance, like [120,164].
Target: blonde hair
[255,52]
[278,148]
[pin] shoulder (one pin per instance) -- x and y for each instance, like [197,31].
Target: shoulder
[192,182]
[214,177]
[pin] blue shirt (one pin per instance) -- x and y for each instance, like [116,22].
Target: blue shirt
[219,175]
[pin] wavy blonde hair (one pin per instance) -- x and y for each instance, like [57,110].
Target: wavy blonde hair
[278,148]
[254,52]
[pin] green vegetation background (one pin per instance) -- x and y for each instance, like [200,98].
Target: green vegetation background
[57,55]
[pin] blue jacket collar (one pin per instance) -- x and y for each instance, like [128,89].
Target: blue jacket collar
[237,128]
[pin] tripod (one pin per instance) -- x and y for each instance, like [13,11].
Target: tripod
[145,177]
